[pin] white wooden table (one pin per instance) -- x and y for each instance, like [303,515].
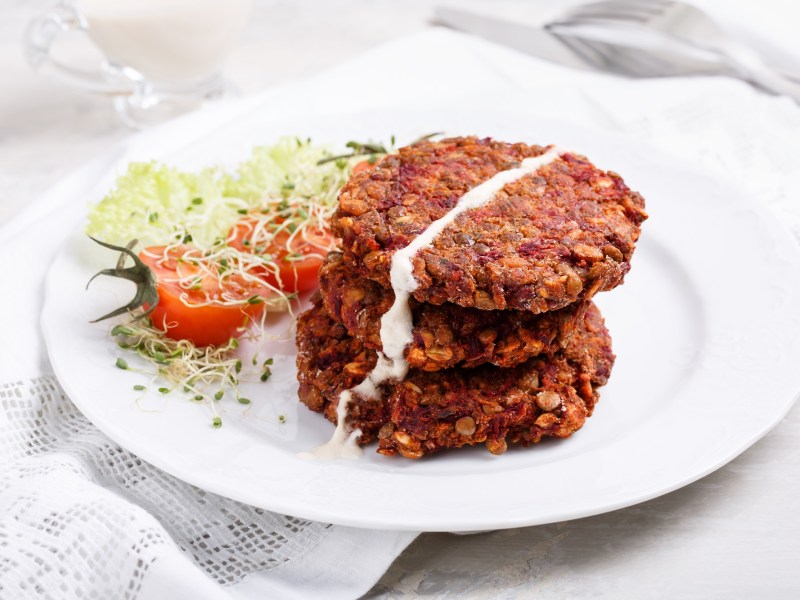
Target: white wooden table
[733,534]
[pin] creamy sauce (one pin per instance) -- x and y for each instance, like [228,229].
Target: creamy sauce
[167,41]
[397,324]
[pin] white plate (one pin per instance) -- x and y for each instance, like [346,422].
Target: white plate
[706,331]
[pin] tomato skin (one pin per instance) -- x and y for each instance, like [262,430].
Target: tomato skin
[299,275]
[364,165]
[202,325]
[207,324]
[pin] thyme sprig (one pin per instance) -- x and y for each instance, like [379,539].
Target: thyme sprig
[357,149]
[371,149]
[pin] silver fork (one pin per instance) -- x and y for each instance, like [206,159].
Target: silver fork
[707,48]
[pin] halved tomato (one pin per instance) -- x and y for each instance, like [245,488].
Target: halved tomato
[364,165]
[297,256]
[194,302]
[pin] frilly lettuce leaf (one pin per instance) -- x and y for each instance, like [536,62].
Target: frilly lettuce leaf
[158,204]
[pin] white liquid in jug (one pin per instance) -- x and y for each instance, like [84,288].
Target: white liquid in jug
[170,41]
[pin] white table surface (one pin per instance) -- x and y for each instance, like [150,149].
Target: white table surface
[733,534]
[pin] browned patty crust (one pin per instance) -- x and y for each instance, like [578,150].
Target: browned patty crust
[546,240]
[430,411]
[445,335]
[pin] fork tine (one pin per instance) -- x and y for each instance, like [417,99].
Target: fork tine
[599,15]
[651,5]
[643,3]
[592,55]
[603,8]
[632,10]
[601,55]
[620,60]
[630,61]
[617,61]
[638,64]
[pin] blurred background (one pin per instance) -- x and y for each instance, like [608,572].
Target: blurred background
[48,128]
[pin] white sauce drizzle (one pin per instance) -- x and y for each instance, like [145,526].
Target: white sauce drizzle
[397,323]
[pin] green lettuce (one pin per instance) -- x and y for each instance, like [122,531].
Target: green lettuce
[158,204]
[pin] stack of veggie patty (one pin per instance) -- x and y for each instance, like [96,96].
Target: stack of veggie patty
[507,345]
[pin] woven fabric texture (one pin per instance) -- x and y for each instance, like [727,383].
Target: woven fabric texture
[70,493]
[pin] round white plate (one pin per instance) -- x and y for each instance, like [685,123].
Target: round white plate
[706,331]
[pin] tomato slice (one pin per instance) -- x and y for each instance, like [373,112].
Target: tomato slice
[364,165]
[194,302]
[297,257]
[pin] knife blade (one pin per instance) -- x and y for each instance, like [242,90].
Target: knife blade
[525,38]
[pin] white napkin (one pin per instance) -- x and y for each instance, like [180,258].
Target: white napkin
[80,517]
